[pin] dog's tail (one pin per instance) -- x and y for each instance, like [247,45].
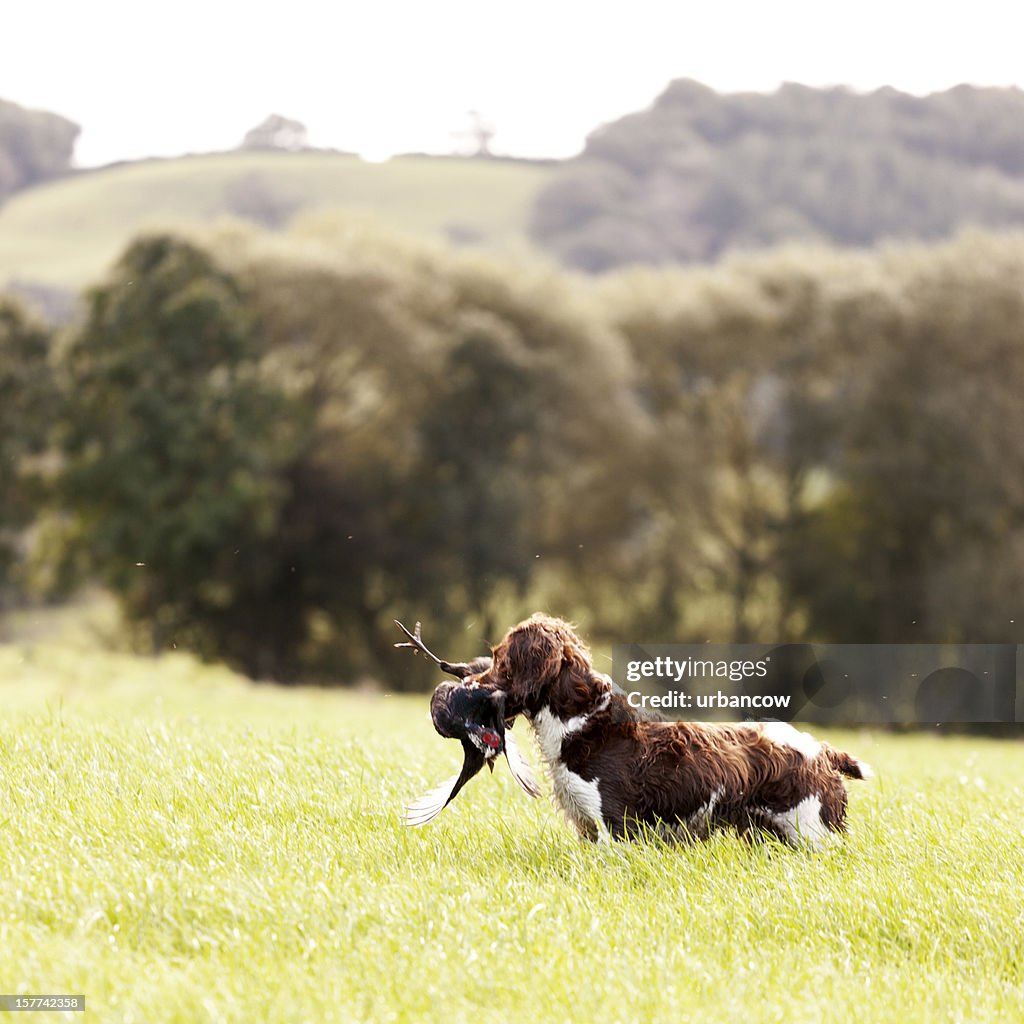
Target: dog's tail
[849,766]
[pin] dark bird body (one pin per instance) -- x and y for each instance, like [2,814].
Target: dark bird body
[476,717]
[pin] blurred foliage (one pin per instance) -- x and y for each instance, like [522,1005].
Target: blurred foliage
[699,173]
[446,398]
[271,446]
[172,445]
[34,146]
[28,400]
[856,415]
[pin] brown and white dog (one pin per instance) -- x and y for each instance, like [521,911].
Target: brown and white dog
[616,773]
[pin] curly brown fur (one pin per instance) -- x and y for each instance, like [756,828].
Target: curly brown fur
[616,773]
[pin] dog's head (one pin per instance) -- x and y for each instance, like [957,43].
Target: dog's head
[541,662]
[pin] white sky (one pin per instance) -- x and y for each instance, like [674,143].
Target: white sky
[383,76]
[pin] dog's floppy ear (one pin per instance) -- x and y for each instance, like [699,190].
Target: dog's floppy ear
[532,654]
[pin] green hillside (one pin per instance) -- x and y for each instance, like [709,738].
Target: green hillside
[63,234]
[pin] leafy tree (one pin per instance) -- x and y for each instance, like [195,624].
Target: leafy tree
[276,132]
[931,508]
[480,522]
[27,407]
[454,417]
[172,441]
[855,477]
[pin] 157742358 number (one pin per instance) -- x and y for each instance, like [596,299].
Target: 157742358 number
[23,1003]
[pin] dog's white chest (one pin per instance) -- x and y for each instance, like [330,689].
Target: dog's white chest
[578,799]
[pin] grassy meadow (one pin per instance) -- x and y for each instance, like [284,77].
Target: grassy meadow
[65,233]
[180,845]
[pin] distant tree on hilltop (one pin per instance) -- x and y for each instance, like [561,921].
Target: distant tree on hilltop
[276,132]
[34,145]
[478,135]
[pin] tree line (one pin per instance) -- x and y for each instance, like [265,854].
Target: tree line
[270,448]
[700,174]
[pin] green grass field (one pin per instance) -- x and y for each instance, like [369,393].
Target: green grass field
[64,234]
[181,846]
